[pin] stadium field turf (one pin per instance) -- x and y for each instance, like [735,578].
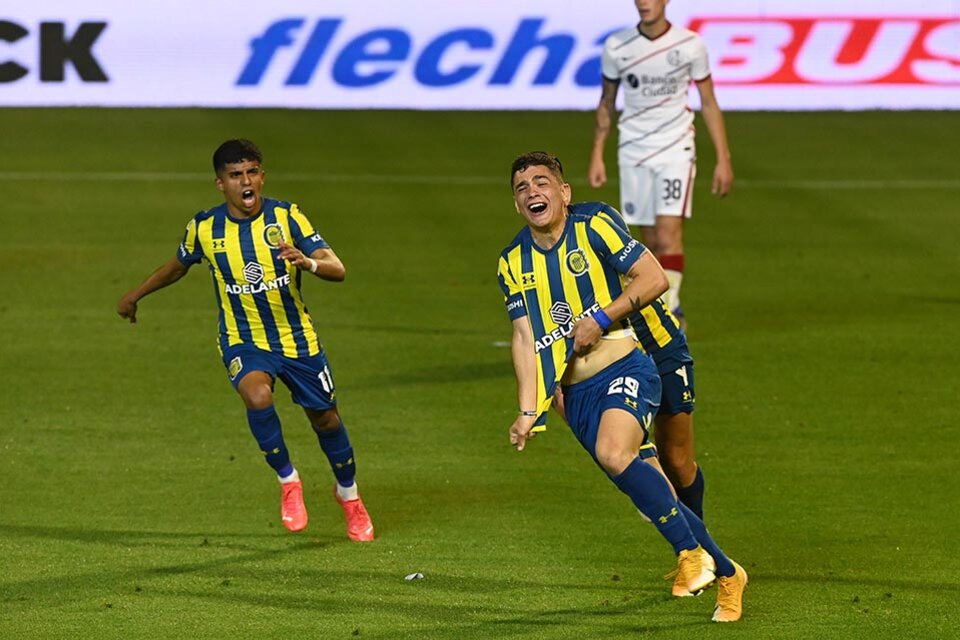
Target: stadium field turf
[823,304]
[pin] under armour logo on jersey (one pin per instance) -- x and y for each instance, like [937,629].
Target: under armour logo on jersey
[219,245]
[528,280]
[631,403]
[663,519]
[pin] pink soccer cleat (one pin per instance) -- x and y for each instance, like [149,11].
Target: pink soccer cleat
[359,526]
[292,510]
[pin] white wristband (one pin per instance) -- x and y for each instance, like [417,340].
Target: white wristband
[313,265]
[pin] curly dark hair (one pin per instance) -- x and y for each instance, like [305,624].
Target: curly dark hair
[233,151]
[536,159]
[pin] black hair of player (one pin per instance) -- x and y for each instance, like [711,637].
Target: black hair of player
[234,151]
[536,159]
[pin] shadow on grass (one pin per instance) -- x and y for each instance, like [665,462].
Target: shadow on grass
[247,550]
[827,580]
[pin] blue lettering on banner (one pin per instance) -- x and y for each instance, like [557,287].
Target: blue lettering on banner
[313,51]
[277,35]
[361,49]
[375,56]
[524,40]
[428,72]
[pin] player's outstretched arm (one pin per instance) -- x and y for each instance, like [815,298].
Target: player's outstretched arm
[713,116]
[597,173]
[322,262]
[525,366]
[170,272]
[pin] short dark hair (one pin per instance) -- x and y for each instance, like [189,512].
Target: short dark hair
[536,159]
[233,151]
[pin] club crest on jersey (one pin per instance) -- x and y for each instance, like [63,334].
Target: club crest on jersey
[673,57]
[236,366]
[273,235]
[577,262]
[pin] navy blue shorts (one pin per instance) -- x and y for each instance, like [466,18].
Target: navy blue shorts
[676,378]
[309,379]
[631,384]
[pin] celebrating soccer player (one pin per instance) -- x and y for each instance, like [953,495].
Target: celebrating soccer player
[656,62]
[561,280]
[258,249]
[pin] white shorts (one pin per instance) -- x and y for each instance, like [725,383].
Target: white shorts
[660,187]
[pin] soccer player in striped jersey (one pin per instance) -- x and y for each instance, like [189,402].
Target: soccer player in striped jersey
[258,250]
[660,335]
[562,286]
[656,62]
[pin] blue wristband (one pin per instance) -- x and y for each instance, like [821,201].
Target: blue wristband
[602,319]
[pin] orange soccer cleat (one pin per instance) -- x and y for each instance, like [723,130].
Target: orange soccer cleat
[730,596]
[292,510]
[695,572]
[359,525]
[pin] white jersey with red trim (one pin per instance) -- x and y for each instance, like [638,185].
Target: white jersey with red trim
[656,76]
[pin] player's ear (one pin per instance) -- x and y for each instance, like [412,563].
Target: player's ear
[567,193]
[219,183]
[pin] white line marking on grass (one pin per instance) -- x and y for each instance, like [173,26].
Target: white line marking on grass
[371,178]
[847,184]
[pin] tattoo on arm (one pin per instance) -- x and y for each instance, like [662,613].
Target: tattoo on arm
[635,305]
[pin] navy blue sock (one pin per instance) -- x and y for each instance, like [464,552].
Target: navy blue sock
[651,494]
[692,495]
[265,426]
[336,444]
[724,566]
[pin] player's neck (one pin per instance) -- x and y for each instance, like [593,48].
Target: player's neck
[547,237]
[240,214]
[654,30]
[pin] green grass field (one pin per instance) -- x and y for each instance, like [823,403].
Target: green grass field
[823,303]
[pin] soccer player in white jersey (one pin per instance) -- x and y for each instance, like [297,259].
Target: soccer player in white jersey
[656,61]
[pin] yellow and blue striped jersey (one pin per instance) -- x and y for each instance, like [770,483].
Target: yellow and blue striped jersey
[658,330]
[259,295]
[554,288]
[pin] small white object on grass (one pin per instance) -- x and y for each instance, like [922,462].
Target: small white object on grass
[414,576]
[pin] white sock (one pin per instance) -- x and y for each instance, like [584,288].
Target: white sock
[293,477]
[673,293]
[347,493]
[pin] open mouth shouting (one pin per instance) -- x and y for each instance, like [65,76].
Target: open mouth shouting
[249,198]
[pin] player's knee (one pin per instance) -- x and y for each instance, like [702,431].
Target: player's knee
[324,421]
[677,461]
[614,459]
[259,397]
[669,240]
